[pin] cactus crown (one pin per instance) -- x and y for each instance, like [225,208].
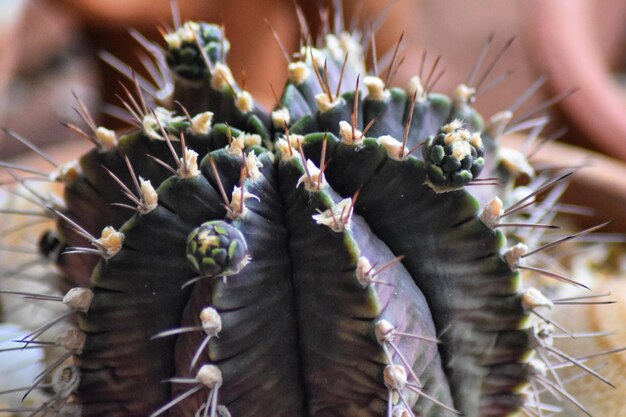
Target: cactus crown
[304,261]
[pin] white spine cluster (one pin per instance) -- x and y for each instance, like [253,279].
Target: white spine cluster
[394,148]
[244,102]
[253,164]
[211,321]
[78,299]
[110,242]
[492,212]
[298,72]
[364,271]
[416,88]
[281,118]
[189,165]
[201,123]
[221,77]
[237,207]
[325,103]
[337,218]
[106,138]
[463,94]
[349,135]
[376,88]
[66,172]
[313,178]
[533,298]
[149,196]
[209,376]
[514,254]
[395,377]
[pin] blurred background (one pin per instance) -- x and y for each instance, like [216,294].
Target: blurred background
[50,50]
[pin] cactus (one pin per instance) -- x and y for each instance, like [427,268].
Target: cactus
[329,257]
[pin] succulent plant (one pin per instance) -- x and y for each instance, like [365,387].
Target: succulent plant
[327,258]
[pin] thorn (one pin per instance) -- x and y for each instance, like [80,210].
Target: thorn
[327,82]
[554,275]
[532,89]
[493,63]
[203,53]
[34,296]
[550,367]
[431,86]
[546,104]
[422,64]
[45,327]
[579,364]
[564,393]
[395,71]
[583,335]
[139,93]
[479,60]
[416,147]
[554,323]
[194,280]
[337,7]
[393,59]
[584,302]
[536,125]
[198,352]
[343,67]
[135,118]
[367,127]
[177,400]
[318,75]
[406,403]
[222,45]
[431,73]
[280,44]
[126,71]
[554,136]
[84,113]
[42,376]
[322,162]
[81,134]
[355,107]
[432,399]
[218,180]
[518,205]
[415,336]
[595,355]
[175,9]
[167,139]
[305,31]
[374,53]
[407,125]
[30,146]
[127,192]
[288,141]
[163,164]
[386,265]
[23,169]
[536,225]
[403,359]
[566,238]
[75,226]
[493,84]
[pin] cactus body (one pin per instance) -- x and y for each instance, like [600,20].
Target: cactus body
[302,262]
